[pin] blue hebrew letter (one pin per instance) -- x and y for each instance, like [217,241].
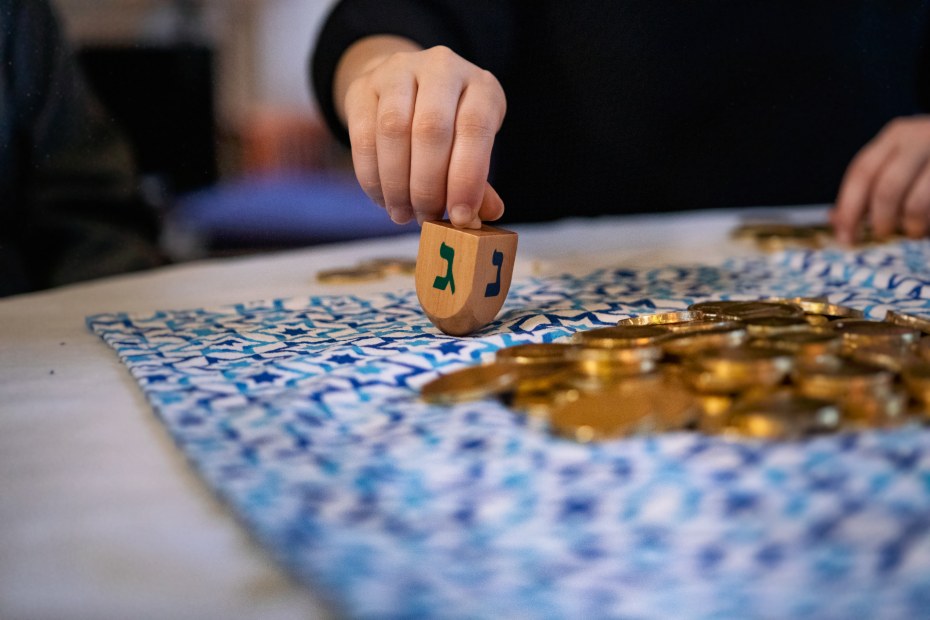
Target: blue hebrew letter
[494,288]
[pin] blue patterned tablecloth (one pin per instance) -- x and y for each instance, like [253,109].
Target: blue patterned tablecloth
[303,415]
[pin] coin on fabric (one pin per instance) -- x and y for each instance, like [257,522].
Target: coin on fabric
[594,365]
[637,405]
[664,319]
[621,336]
[862,333]
[685,344]
[715,307]
[797,300]
[810,344]
[911,321]
[535,353]
[782,415]
[391,265]
[882,408]
[764,309]
[742,310]
[736,369]
[834,379]
[830,311]
[891,359]
[350,275]
[775,325]
[702,325]
[471,383]
[537,392]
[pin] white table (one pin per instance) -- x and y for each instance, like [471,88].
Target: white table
[100,517]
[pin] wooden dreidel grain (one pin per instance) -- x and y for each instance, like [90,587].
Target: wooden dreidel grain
[463,274]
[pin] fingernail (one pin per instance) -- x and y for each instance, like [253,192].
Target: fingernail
[401,215]
[461,215]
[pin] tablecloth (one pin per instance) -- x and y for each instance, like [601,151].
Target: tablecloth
[303,415]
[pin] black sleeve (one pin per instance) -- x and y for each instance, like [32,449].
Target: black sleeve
[480,31]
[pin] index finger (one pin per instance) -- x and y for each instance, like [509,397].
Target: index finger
[479,116]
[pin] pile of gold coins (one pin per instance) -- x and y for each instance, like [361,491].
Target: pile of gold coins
[769,369]
[367,271]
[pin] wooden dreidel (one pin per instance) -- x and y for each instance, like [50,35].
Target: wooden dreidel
[463,274]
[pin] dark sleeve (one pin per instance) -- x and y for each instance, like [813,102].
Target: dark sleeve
[70,204]
[481,31]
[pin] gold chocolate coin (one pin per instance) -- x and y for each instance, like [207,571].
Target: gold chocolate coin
[830,311]
[702,325]
[595,367]
[663,319]
[775,325]
[908,320]
[742,310]
[535,353]
[349,276]
[862,333]
[810,344]
[800,301]
[391,265]
[717,307]
[782,415]
[835,379]
[686,343]
[621,336]
[471,383]
[888,358]
[732,370]
[637,405]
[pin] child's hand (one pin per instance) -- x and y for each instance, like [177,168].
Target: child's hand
[421,124]
[888,182]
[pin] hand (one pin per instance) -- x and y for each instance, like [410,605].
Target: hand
[421,124]
[888,182]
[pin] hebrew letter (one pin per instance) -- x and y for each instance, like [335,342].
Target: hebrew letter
[494,288]
[441,282]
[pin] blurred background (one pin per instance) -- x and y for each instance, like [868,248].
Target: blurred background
[215,98]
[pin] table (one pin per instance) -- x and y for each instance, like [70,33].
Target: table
[100,516]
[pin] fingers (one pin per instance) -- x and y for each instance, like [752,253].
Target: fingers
[856,187]
[479,116]
[362,108]
[891,187]
[492,207]
[917,205]
[422,126]
[888,183]
[392,144]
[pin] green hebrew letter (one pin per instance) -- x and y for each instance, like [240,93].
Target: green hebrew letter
[441,282]
[493,289]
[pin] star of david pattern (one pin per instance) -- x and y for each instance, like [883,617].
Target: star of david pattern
[303,415]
